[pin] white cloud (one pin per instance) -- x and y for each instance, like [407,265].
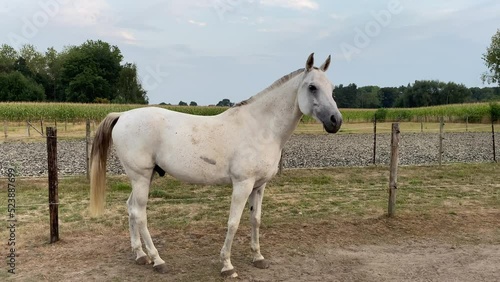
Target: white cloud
[292,4]
[182,8]
[338,17]
[197,23]
[127,36]
[96,15]
[85,13]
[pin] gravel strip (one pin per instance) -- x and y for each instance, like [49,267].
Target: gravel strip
[301,151]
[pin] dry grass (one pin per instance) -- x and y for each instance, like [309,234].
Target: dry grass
[296,195]
[385,127]
[348,204]
[17,131]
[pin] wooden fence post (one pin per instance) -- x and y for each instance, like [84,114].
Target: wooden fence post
[441,127]
[87,147]
[280,164]
[5,128]
[493,137]
[374,139]
[28,128]
[53,183]
[393,178]
[467,124]
[41,126]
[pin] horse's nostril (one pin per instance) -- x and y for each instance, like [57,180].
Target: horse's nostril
[333,119]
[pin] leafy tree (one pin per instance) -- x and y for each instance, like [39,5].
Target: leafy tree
[35,60]
[225,103]
[422,93]
[14,86]
[53,61]
[86,87]
[346,97]
[90,71]
[368,97]
[8,57]
[21,66]
[484,94]
[492,60]
[182,103]
[455,93]
[481,94]
[388,96]
[193,103]
[129,88]
[425,93]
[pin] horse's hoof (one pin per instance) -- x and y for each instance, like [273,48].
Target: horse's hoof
[161,268]
[231,273]
[143,260]
[262,264]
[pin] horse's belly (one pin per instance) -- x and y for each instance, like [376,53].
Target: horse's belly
[202,171]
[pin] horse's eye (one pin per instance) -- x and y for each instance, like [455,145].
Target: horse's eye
[312,88]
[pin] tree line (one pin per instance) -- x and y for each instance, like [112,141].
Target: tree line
[421,93]
[93,72]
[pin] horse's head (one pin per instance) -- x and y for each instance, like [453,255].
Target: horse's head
[315,96]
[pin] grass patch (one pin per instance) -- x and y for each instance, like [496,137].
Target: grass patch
[297,194]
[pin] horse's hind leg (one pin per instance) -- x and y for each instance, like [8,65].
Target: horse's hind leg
[135,238]
[255,203]
[138,221]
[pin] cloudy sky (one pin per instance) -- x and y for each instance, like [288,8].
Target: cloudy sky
[207,50]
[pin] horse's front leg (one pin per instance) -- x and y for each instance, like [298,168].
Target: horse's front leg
[255,203]
[241,191]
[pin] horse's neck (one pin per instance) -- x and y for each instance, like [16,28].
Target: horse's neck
[277,110]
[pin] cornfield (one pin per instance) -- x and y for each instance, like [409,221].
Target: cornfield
[79,112]
[479,112]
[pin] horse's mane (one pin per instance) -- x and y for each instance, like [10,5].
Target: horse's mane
[276,84]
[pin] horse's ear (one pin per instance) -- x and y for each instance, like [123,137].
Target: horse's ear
[310,62]
[326,64]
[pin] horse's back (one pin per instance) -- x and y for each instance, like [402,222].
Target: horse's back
[189,147]
[196,149]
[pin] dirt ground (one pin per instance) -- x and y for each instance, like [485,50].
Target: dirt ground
[429,247]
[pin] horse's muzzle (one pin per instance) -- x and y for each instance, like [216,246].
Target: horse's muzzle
[333,126]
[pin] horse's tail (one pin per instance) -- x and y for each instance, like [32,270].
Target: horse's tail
[98,158]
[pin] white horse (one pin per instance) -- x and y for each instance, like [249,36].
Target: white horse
[241,146]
